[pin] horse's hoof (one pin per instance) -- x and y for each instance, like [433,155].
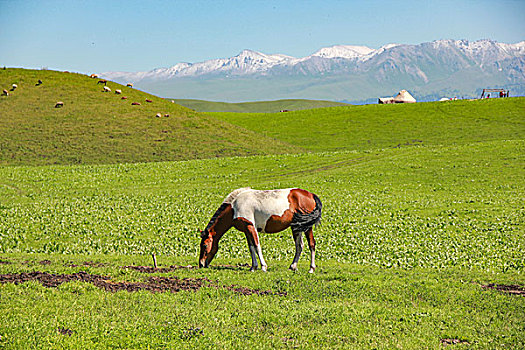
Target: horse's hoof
[311,270]
[264,268]
[293,268]
[253,269]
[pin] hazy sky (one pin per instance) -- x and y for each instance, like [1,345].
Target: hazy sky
[110,35]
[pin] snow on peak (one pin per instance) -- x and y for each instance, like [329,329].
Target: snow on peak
[343,51]
[251,62]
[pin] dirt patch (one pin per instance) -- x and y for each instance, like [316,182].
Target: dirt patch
[151,269]
[171,268]
[453,341]
[154,284]
[249,291]
[65,331]
[45,262]
[88,264]
[5,262]
[514,289]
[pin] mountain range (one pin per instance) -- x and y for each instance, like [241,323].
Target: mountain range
[344,73]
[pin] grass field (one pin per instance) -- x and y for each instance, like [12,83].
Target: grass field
[256,107]
[95,127]
[422,231]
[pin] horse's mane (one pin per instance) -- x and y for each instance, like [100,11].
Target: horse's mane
[231,197]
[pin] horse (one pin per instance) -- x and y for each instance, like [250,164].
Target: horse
[270,211]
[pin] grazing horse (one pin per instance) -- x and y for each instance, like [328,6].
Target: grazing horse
[252,211]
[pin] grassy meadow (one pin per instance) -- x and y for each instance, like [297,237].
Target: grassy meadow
[96,127]
[423,220]
[256,107]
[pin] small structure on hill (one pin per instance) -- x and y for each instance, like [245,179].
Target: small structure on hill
[402,97]
[498,92]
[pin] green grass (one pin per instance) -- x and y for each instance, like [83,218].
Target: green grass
[95,127]
[385,126]
[415,222]
[256,107]
[341,306]
[410,207]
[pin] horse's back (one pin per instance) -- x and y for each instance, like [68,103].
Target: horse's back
[257,206]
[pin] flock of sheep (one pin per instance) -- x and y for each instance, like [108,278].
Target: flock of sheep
[60,104]
[13,88]
[119,92]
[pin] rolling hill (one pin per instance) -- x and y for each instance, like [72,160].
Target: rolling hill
[370,127]
[99,127]
[256,107]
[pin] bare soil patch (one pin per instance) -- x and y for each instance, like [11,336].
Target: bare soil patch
[171,268]
[514,289]
[65,331]
[151,269]
[88,264]
[453,341]
[154,284]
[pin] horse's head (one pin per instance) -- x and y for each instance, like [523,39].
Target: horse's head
[218,225]
[208,248]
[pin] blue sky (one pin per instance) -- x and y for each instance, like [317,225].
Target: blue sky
[110,35]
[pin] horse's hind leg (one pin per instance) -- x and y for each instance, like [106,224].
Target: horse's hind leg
[311,244]
[298,238]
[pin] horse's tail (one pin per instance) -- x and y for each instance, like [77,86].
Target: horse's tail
[302,222]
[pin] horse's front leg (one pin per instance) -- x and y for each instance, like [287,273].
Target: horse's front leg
[252,237]
[255,237]
[253,251]
[298,238]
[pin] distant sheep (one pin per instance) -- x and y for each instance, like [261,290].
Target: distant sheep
[123,98]
[158,115]
[5,92]
[166,115]
[129,85]
[107,89]
[59,104]
[102,81]
[39,82]
[13,87]
[118,92]
[94,76]
[148,100]
[135,103]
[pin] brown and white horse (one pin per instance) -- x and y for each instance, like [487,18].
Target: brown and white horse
[253,211]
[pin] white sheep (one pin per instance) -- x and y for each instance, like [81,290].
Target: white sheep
[59,104]
[118,91]
[158,115]
[129,85]
[107,89]
[5,92]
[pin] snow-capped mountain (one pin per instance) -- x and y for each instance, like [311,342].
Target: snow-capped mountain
[441,65]
[344,51]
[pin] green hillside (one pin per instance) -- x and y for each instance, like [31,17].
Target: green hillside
[98,127]
[384,126]
[256,107]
